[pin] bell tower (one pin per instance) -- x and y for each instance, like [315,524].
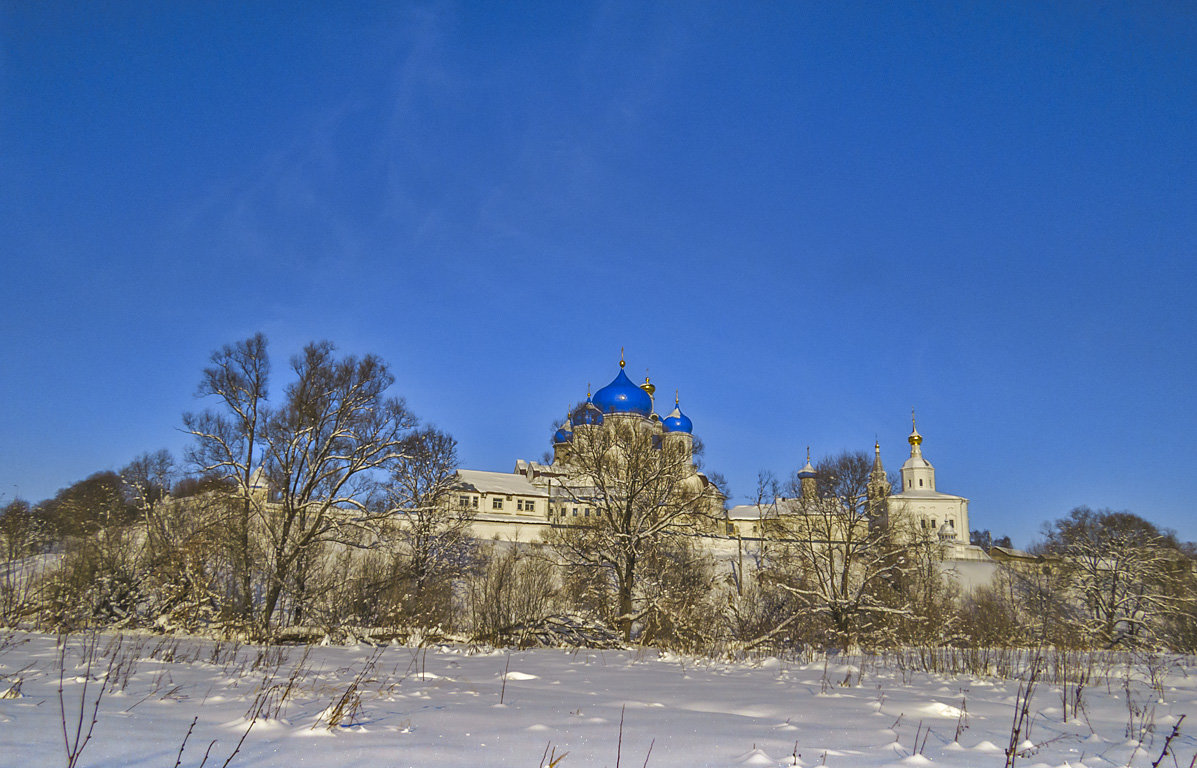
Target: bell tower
[878,490]
[917,472]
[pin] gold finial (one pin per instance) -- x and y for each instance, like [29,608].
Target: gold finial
[675,397]
[915,438]
[648,387]
[621,362]
[808,454]
[588,390]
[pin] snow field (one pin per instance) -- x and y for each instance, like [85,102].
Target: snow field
[450,706]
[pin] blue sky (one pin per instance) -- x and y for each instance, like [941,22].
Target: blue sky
[808,218]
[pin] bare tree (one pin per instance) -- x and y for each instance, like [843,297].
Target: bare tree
[843,561]
[325,445]
[19,531]
[22,534]
[148,479]
[640,491]
[432,530]
[509,592]
[93,505]
[228,441]
[1122,569]
[98,579]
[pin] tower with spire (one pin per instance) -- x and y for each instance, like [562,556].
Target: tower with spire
[808,479]
[878,491]
[917,472]
[918,507]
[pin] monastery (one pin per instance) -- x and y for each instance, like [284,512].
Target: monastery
[533,497]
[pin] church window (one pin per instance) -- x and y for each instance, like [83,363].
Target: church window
[920,482]
[465,501]
[951,523]
[496,503]
[575,511]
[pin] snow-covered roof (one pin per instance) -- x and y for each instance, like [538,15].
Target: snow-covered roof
[758,511]
[913,494]
[505,483]
[536,469]
[917,462]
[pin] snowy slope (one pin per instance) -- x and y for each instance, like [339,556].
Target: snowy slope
[453,707]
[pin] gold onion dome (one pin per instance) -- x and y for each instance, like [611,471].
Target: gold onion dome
[915,438]
[649,387]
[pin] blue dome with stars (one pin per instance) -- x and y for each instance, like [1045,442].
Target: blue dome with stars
[622,396]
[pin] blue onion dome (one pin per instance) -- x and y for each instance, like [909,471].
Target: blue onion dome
[622,396]
[563,435]
[587,414]
[677,421]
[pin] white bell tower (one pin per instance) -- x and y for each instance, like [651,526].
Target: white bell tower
[917,472]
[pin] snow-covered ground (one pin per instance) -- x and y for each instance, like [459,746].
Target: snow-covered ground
[456,707]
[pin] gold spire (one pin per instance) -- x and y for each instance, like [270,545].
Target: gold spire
[915,438]
[675,397]
[621,362]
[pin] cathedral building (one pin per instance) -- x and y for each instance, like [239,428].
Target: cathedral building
[521,504]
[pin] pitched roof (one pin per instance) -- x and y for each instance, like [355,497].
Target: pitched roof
[506,483]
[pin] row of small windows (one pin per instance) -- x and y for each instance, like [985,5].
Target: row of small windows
[910,483]
[522,505]
[924,521]
[496,502]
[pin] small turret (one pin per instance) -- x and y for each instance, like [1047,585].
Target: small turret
[878,489]
[562,440]
[678,429]
[807,478]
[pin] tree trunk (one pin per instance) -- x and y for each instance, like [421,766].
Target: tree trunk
[626,580]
